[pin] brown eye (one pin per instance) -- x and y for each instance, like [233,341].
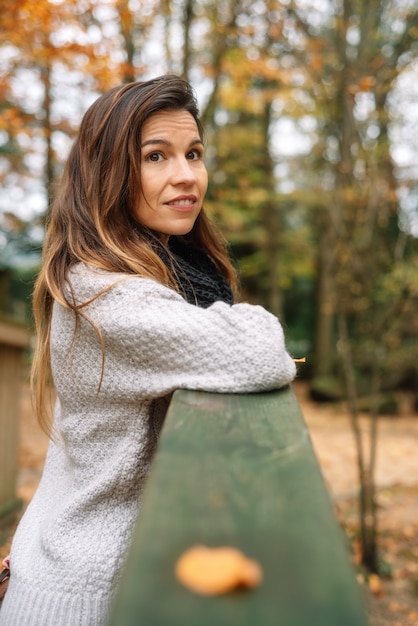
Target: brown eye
[194,155]
[154,157]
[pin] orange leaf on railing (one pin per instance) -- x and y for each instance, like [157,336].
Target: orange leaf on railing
[213,571]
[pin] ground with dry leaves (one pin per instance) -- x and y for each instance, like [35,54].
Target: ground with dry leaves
[393,601]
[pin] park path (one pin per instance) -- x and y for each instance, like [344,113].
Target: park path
[332,438]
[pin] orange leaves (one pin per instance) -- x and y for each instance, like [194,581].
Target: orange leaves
[375,585]
[214,571]
[365,83]
[317,62]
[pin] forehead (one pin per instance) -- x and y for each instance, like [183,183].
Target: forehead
[165,123]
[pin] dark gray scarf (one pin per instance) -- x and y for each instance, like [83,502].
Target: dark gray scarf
[198,278]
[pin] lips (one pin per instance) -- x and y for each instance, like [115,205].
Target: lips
[183,202]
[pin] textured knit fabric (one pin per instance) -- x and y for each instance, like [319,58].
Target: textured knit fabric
[71,543]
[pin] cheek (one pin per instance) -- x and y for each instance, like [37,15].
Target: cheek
[147,182]
[204,181]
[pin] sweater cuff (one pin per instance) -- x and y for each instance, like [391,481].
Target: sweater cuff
[32,605]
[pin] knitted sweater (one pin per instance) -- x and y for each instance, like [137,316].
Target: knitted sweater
[71,543]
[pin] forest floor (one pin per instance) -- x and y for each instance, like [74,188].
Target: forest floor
[392,599]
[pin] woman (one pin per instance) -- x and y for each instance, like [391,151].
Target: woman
[134,300]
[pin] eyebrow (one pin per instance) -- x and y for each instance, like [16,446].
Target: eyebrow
[164,142]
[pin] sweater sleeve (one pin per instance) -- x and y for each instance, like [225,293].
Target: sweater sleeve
[155,342]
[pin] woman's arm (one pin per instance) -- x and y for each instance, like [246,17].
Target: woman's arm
[239,348]
[155,342]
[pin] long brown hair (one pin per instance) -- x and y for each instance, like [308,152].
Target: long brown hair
[91,219]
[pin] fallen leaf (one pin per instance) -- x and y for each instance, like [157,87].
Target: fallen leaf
[375,584]
[213,571]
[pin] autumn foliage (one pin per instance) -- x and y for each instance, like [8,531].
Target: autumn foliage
[310,111]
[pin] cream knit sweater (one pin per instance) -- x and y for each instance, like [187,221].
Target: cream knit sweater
[70,546]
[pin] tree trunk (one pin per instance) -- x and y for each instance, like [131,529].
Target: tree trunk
[47,131]
[324,355]
[126,29]
[367,494]
[187,23]
[272,223]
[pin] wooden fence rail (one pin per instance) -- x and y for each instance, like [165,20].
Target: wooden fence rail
[239,470]
[14,339]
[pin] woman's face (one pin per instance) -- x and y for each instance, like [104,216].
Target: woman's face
[173,176]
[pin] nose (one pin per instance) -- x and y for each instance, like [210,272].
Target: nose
[183,172]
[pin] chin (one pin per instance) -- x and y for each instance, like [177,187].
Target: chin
[184,229]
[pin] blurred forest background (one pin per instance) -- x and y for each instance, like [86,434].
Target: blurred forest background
[311,108]
[311,111]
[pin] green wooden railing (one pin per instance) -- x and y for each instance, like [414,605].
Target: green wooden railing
[239,470]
